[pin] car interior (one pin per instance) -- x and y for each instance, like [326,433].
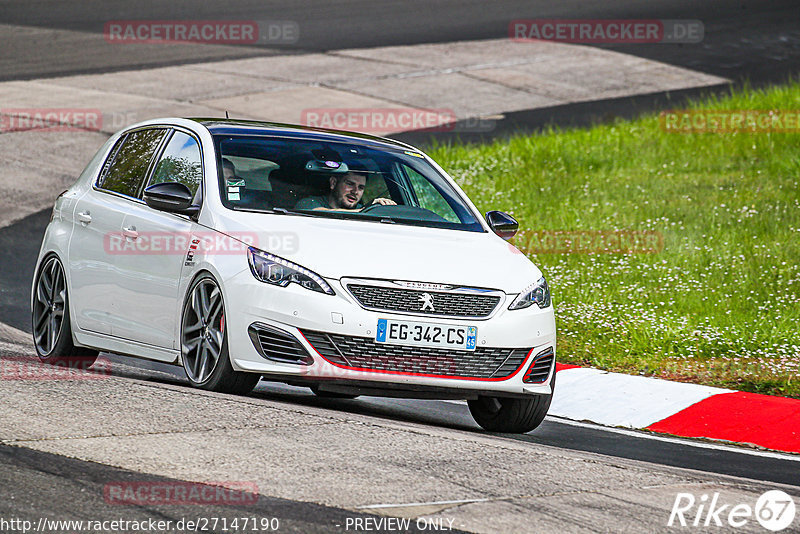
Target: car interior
[267,184]
[264,174]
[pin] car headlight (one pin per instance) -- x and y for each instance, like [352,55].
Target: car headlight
[538,293]
[275,270]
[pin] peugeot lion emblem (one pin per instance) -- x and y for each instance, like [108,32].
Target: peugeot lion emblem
[427,301]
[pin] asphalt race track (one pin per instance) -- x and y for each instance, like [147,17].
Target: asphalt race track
[49,480]
[744,40]
[748,42]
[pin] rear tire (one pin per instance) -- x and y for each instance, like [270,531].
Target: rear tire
[512,416]
[51,326]
[204,342]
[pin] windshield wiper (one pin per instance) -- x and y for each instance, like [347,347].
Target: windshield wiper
[255,210]
[278,211]
[286,211]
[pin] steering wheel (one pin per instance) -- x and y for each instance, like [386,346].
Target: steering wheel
[371,207]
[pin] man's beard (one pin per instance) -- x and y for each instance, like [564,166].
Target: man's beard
[347,203]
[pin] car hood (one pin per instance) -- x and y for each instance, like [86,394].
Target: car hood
[336,248]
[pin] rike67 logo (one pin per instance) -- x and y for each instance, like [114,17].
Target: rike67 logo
[774,510]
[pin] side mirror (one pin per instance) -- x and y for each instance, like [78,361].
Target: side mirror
[502,224]
[173,197]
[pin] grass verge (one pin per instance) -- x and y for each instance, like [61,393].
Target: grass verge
[718,302]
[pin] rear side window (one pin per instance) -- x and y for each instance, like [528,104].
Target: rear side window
[127,166]
[180,163]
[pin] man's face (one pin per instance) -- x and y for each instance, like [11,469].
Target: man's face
[346,192]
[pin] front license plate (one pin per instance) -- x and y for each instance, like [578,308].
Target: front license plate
[426,334]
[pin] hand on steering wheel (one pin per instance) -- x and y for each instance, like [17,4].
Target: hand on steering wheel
[379,202]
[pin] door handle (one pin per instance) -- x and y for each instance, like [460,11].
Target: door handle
[85,217]
[130,232]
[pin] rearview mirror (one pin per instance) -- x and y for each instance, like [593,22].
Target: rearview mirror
[502,224]
[173,197]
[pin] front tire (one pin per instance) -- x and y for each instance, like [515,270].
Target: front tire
[51,326]
[204,342]
[512,416]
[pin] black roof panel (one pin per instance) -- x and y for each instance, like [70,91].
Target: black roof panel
[244,127]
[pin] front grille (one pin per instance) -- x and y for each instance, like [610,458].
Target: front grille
[412,301]
[366,353]
[540,367]
[277,345]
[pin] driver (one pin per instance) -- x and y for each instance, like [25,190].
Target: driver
[344,195]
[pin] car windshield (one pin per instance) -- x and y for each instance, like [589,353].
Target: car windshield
[337,180]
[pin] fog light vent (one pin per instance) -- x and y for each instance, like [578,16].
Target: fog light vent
[277,345]
[540,367]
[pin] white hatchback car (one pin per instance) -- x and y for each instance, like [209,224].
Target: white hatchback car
[350,264]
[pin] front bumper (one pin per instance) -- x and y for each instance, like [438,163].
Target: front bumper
[513,339]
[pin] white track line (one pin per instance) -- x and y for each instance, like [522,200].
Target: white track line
[685,441]
[669,439]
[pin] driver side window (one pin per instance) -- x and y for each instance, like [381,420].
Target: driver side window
[180,162]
